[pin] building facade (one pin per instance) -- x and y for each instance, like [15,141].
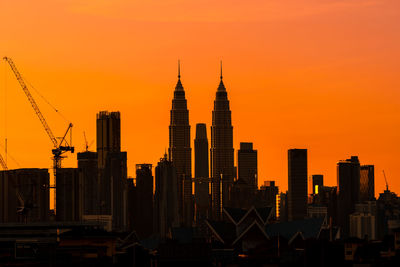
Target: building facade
[247,164]
[24,195]
[367,183]
[180,151]
[144,200]
[221,152]
[297,184]
[165,198]
[201,169]
[348,181]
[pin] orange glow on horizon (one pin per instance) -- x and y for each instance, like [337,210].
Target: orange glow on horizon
[321,75]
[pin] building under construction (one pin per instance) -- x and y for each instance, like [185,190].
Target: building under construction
[24,195]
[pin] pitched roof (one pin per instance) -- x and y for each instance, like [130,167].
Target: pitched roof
[255,225]
[309,228]
[235,214]
[225,232]
[264,213]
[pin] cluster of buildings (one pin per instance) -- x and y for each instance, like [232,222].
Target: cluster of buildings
[215,213]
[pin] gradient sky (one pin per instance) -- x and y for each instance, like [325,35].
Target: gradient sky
[322,75]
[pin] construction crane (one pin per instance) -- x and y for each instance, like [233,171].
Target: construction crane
[384,176]
[60,147]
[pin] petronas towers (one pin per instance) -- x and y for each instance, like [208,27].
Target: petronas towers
[221,156]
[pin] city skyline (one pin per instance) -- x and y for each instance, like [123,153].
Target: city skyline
[75,87]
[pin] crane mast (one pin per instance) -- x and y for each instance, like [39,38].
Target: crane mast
[59,147]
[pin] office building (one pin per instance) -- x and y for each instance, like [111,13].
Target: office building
[69,197]
[180,151]
[247,164]
[221,151]
[202,180]
[317,183]
[267,196]
[297,184]
[348,181]
[367,183]
[144,198]
[165,198]
[108,135]
[88,175]
[112,169]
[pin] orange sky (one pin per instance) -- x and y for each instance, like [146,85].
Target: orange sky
[321,75]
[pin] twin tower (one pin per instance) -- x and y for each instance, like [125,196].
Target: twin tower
[221,176]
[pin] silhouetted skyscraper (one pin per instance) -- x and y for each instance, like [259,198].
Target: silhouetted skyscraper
[112,169]
[108,135]
[247,165]
[144,193]
[202,181]
[317,182]
[180,151]
[221,152]
[88,174]
[297,184]
[165,198]
[348,181]
[367,183]
[69,198]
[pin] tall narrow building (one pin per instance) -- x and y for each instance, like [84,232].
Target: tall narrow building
[221,152]
[112,169]
[202,181]
[348,181]
[180,151]
[297,184]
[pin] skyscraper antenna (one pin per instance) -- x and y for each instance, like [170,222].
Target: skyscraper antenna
[179,69]
[221,70]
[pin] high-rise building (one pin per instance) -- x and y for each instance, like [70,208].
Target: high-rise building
[116,175]
[112,169]
[88,175]
[367,183]
[69,198]
[108,135]
[24,195]
[144,194]
[267,195]
[165,198]
[180,151]
[202,181]
[348,181]
[247,164]
[221,152]
[317,182]
[297,184]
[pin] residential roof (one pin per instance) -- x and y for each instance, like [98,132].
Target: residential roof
[225,231]
[310,228]
[235,213]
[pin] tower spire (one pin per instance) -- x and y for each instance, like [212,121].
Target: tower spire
[179,69]
[221,71]
[221,86]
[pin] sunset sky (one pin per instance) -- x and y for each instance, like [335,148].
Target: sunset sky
[320,74]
